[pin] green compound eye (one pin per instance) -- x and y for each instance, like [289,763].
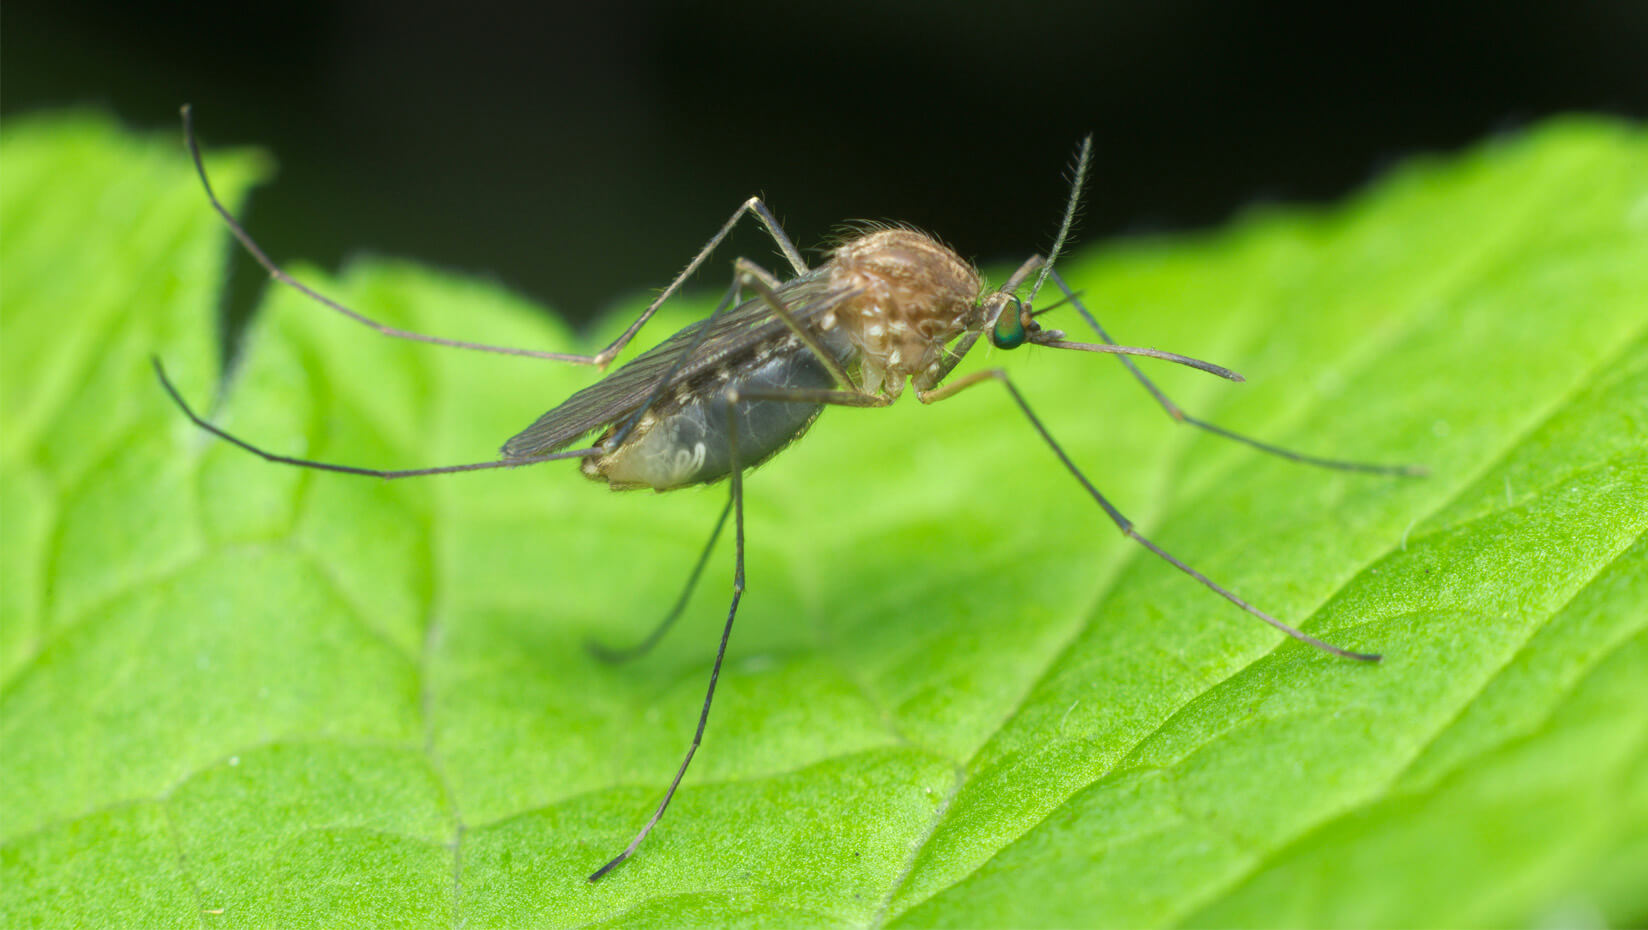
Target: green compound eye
[1009,333]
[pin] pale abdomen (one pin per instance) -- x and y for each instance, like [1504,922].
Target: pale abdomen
[685,439]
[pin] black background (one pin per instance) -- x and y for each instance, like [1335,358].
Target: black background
[580,152]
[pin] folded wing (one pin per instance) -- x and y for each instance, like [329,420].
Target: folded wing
[735,333]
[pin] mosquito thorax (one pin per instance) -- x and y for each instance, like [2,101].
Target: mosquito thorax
[914,296]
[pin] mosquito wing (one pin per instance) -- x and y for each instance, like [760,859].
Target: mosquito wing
[731,334]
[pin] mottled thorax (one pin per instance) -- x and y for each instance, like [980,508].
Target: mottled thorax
[915,295]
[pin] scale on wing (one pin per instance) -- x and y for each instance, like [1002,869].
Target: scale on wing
[736,333]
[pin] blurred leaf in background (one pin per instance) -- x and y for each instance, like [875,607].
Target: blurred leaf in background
[240,693]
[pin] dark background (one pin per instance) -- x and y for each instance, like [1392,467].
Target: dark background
[581,152]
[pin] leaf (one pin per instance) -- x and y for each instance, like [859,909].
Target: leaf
[236,692]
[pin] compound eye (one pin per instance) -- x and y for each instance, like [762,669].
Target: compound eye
[1009,331]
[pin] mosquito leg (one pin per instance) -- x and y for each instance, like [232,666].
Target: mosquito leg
[746,272]
[1023,273]
[736,488]
[768,221]
[266,455]
[760,274]
[275,271]
[1177,413]
[948,361]
[808,396]
[758,281]
[1122,523]
[615,654]
[600,359]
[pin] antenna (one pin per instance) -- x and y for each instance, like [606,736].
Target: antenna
[1084,157]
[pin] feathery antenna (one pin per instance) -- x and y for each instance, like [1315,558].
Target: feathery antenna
[1084,157]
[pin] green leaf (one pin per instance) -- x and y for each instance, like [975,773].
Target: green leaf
[236,692]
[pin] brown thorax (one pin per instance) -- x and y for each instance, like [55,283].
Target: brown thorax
[915,295]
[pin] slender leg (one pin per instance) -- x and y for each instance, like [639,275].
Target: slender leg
[615,655]
[748,274]
[527,456]
[1122,523]
[759,273]
[1018,277]
[753,205]
[810,396]
[1174,411]
[220,433]
[600,359]
[736,488]
[759,281]
[744,273]
[947,362]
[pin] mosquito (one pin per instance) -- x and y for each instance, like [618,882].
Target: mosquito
[890,306]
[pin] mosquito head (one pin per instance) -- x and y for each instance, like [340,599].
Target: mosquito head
[1010,320]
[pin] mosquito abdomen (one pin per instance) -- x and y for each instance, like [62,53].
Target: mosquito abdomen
[684,439]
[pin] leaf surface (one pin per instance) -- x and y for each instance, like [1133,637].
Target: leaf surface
[237,693]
